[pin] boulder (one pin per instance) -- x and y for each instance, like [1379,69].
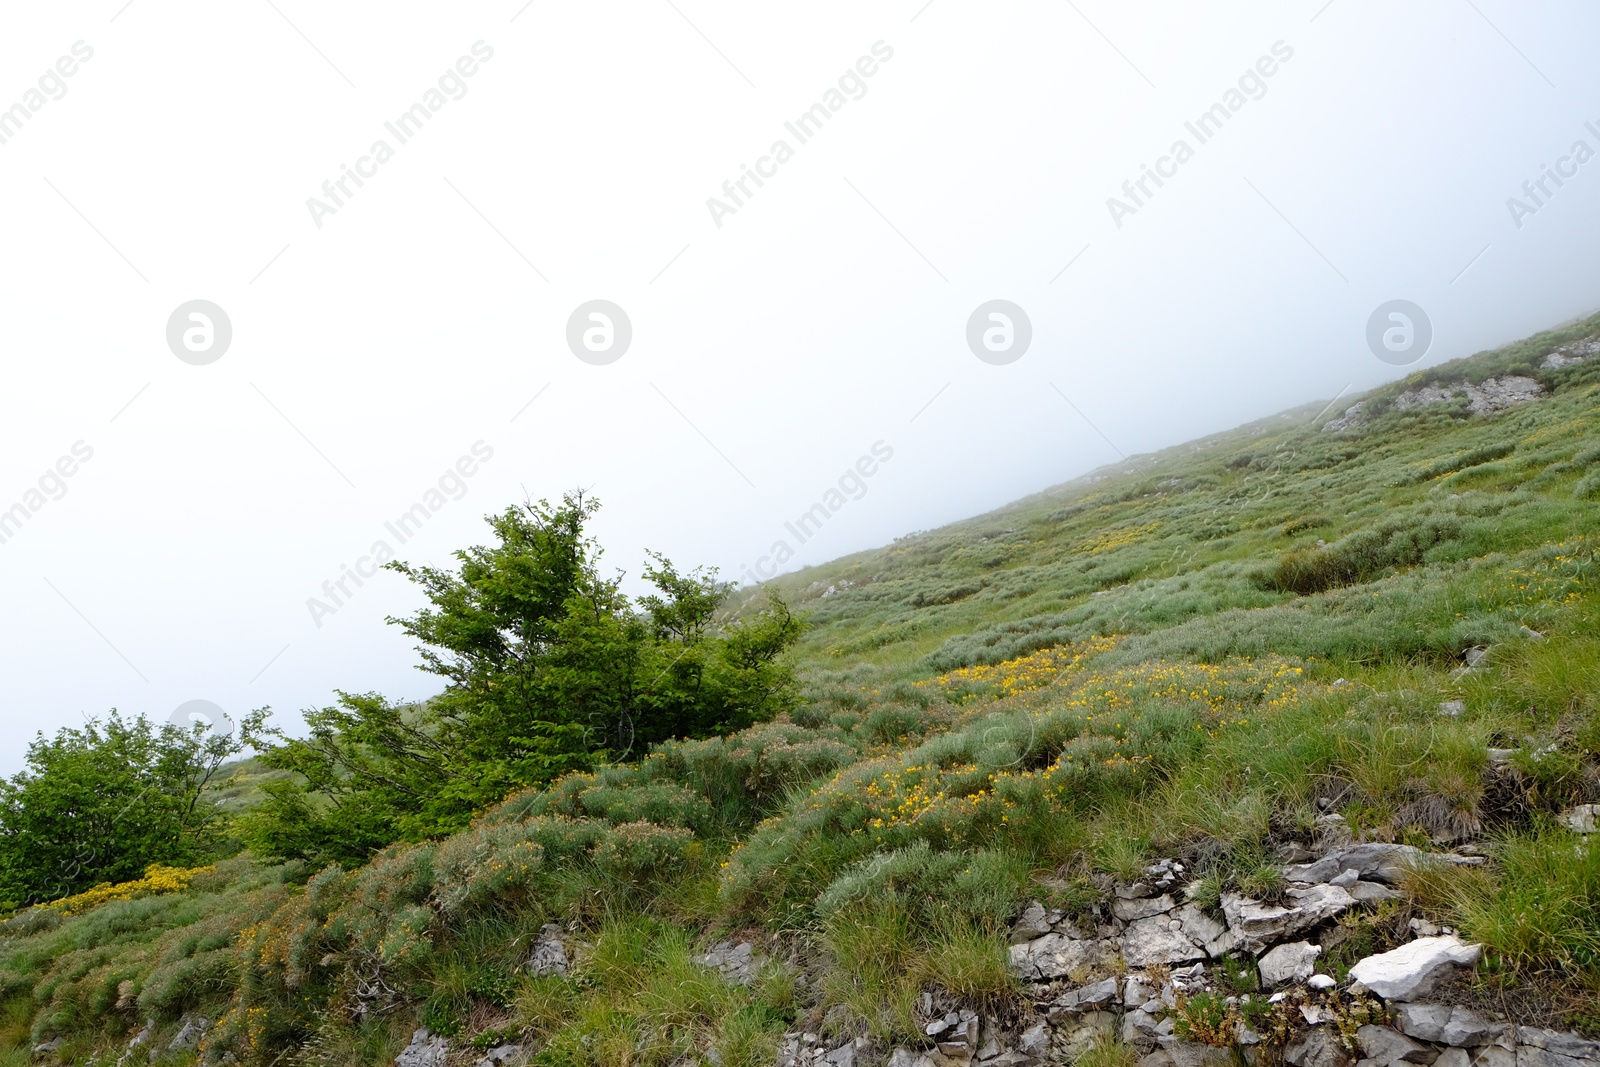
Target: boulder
[1154,940]
[1454,1057]
[1060,956]
[1413,969]
[1390,1048]
[1292,962]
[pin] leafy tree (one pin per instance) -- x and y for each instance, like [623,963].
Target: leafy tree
[102,802]
[549,667]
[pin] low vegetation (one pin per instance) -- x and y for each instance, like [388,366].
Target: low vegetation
[1195,654]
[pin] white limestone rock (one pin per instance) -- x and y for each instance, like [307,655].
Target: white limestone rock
[1413,969]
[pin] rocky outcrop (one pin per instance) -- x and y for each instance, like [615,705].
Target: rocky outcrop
[1489,397]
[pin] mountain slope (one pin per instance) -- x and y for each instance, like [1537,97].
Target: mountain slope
[1200,657]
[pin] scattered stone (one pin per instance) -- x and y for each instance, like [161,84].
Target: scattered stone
[1476,656]
[45,1048]
[1581,819]
[1346,878]
[1531,634]
[1501,755]
[1390,1048]
[1292,962]
[1454,1057]
[425,1050]
[1413,969]
[1321,982]
[1339,683]
[1422,928]
[1452,708]
[736,962]
[549,953]
[1135,891]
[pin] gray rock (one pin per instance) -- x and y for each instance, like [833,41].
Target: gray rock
[1552,1048]
[1346,878]
[1034,922]
[1371,892]
[1315,1048]
[549,953]
[1086,998]
[1321,982]
[1152,940]
[1139,1029]
[1291,962]
[1581,819]
[1494,1056]
[1256,925]
[1059,956]
[1390,1048]
[1035,1041]
[500,1054]
[735,962]
[45,1048]
[425,1050]
[1135,891]
[191,1029]
[1136,990]
[1413,969]
[1133,910]
[1425,1022]
[1468,1029]
[1452,708]
[1454,1057]
[1207,932]
[1188,1054]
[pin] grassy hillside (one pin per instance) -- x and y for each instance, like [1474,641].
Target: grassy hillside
[1194,655]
